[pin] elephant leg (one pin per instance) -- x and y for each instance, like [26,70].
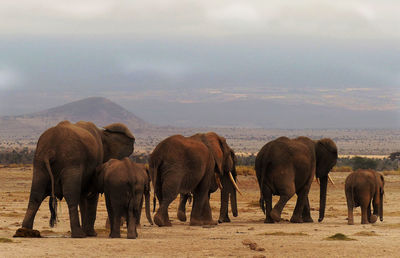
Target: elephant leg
[306,212]
[116,222]
[110,218]
[139,210]
[131,222]
[169,193]
[89,216]
[207,213]
[71,183]
[201,210]
[364,214]
[371,217]
[350,206]
[283,199]
[36,197]
[267,198]
[181,214]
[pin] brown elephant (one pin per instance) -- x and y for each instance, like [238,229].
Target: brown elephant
[184,165]
[287,166]
[362,187]
[64,166]
[124,183]
[225,161]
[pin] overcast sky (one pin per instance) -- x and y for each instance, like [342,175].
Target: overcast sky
[332,53]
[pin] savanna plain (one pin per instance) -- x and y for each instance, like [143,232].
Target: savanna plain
[282,239]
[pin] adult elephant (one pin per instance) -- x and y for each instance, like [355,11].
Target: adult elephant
[287,166]
[225,160]
[184,165]
[64,165]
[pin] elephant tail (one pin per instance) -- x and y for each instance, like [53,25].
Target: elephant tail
[155,173]
[53,199]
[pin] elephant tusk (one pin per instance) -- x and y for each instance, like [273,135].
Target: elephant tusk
[218,181]
[330,179]
[234,183]
[317,179]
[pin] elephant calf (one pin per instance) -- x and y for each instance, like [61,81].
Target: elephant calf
[124,183]
[362,187]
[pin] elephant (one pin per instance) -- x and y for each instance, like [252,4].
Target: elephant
[184,165]
[124,183]
[287,166]
[362,187]
[64,166]
[225,161]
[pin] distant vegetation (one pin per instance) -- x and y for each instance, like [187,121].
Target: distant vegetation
[24,156]
[245,163]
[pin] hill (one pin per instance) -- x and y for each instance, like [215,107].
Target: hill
[100,111]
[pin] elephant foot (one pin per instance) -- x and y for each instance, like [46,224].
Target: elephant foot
[195,222]
[115,235]
[210,222]
[295,219]
[350,222]
[160,221]
[373,219]
[269,220]
[308,220]
[224,219]
[181,215]
[132,235]
[78,233]
[26,232]
[90,232]
[275,215]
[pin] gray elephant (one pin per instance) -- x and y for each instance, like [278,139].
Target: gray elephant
[225,160]
[184,165]
[287,166]
[124,183]
[362,187]
[64,166]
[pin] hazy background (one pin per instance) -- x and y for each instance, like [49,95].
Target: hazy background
[272,64]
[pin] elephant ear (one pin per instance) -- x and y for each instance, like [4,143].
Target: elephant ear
[119,128]
[326,155]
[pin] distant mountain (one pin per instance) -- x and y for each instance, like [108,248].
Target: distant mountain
[100,111]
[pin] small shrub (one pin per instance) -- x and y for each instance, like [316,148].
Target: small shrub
[341,237]
[245,171]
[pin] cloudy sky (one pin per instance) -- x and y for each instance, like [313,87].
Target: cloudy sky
[339,54]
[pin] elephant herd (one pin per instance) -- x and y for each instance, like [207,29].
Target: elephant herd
[79,161]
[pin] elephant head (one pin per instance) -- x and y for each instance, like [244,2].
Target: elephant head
[225,162]
[326,157]
[117,141]
[378,198]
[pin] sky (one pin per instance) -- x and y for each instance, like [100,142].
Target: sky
[330,54]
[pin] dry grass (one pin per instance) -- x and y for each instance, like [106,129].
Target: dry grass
[391,173]
[281,233]
[245,170]
[253,204]
[5,240]
[340,237]
[366,233]
[342,169]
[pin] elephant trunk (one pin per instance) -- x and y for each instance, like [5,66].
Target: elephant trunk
[234,203]
[322,197]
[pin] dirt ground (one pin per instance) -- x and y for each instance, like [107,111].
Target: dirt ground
[279,240]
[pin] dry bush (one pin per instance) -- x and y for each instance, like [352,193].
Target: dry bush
[391,173]
[245,171]
[342,169]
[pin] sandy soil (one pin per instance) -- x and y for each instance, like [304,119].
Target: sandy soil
[279,240]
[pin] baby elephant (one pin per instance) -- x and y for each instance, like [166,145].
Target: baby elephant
[362,187]
[124,183]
